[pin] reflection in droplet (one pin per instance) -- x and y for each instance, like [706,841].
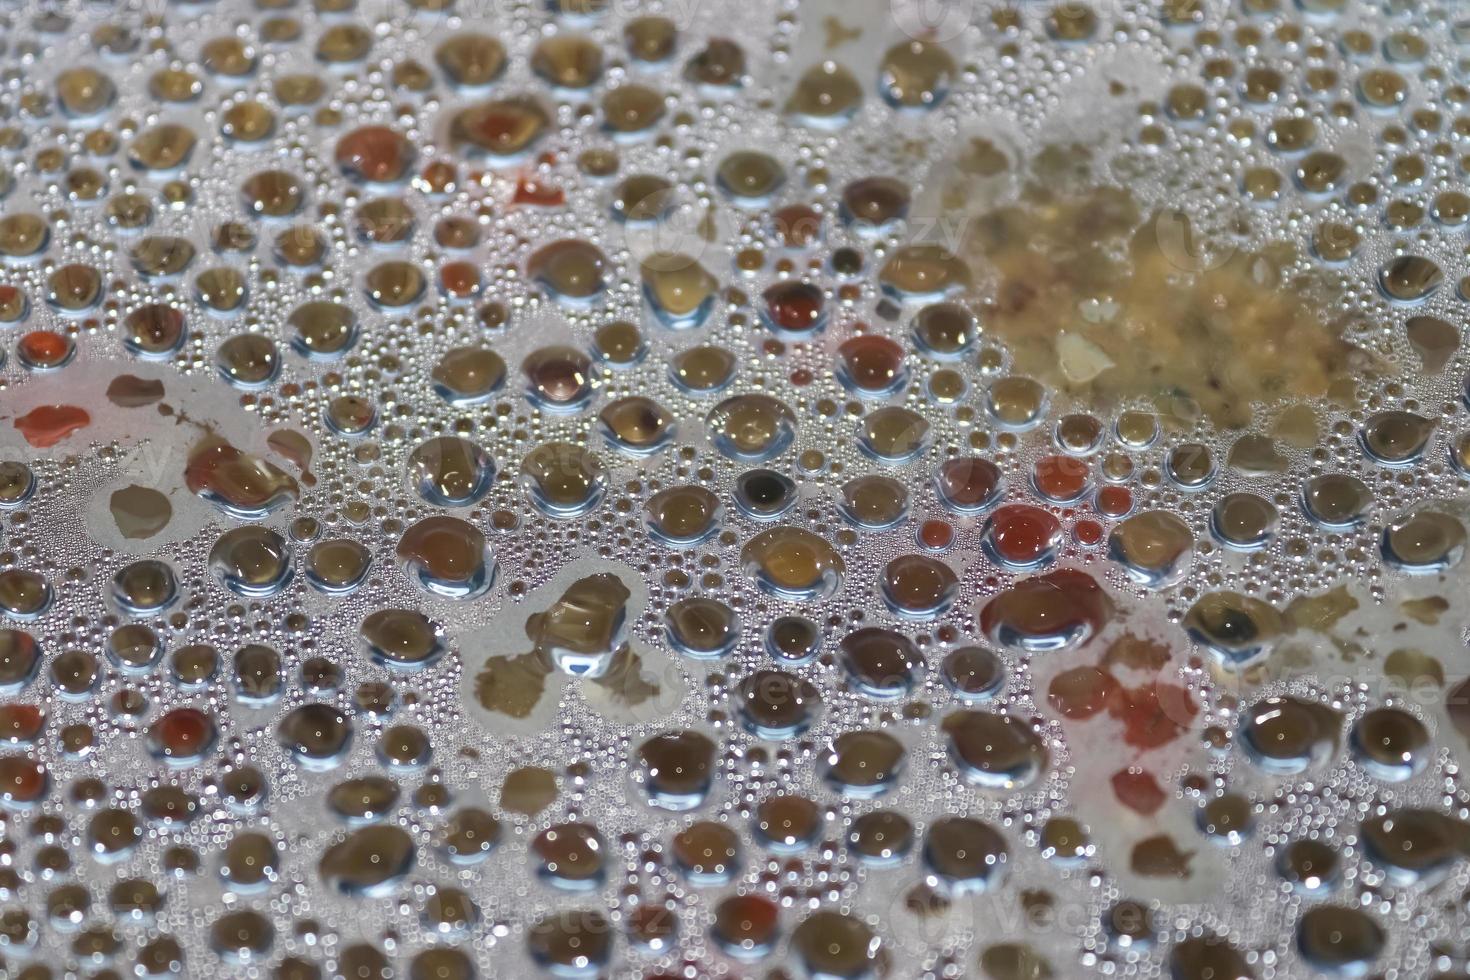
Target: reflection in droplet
[1426,541]
[337,566]
[793,563]
[1236,628]
[447,557]
[880,663]
[765,494]
[995,750]
[1390,744]
[677,769]
[563,479]
[637,425]
[918,587]
[1396,438]
[251,561]
[450,471]
[1410,278]
[369,861]
[967,855]
[1154,547]
[752,427]
[1287,735]
[1047,612]
[1336,500]
[864,764]
[702,628]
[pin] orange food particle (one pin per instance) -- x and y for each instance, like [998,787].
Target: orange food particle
[49,424]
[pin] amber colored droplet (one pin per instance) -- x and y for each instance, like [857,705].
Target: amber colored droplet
[447,556]
[500,129]
[1022,535]
[530,190]
[1050,611]
[968,483]
[795,307]
[827,94]
[1114,501]
[45,349]
[182,735]
[936,535]
[1081,692]
[1138,790]
[1060,478]
[376,154]
[49,424]
[139,512]
[237,481]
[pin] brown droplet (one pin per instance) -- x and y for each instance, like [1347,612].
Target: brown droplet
[528,791]
[131,391]
[47,425]
[1160,857]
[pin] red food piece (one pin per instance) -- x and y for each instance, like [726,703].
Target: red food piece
[49,424]
[1138,790]
[1154,714]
